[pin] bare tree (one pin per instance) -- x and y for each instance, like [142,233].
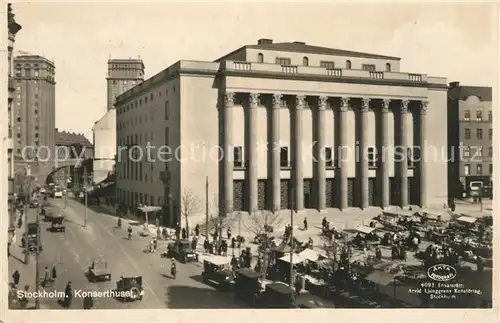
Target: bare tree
[262,223]
[219,218]
[190,204]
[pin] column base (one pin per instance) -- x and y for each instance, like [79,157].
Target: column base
[323,211]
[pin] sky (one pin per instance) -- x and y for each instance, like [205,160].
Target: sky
[453,40]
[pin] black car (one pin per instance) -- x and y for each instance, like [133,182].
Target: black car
[129,289]
[182,251]
[216,271]
[32,238]
[57,224]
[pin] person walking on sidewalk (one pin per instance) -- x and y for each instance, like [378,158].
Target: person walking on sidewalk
[15,277]
[305,224]
[68,295]
[54,273]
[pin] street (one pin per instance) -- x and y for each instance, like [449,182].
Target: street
[73,251]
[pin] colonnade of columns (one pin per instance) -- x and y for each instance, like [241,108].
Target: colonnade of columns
[320,171]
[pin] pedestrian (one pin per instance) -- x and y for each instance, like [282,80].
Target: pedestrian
[197,230]
[54,272]
[177,231]
[173,269]
[206,245]
[305,224]
[184,234]
[15,277]
[8,249]
[88,302]
[228,233]
[20,221]
[46,276]
[68,296]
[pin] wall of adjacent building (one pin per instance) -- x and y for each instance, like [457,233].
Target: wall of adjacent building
[104,146]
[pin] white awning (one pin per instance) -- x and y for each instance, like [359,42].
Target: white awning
[218,260]
[466,219]
[364,229]
[310,254]
[297,259]
[147,209]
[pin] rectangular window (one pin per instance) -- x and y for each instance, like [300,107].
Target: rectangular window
[490,151]
[490,116]
[479,169]
[368,67]
[467,133]
[238,156]
[479,133]
[490,134]
[411,157]
[491,169]
[479,115]
[284,157]
[283,61]
[327,64]
[466,151]
[372,157]
[167,139]
[466,170]
[467,115]
[167,108]
[479,152]
[329,157]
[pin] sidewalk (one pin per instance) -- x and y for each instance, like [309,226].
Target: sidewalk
[27,271]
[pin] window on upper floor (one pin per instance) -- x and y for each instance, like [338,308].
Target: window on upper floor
[467,115]
[490,134]
[467,170]
[167,139]
[348,64]
[388,67]
[467,133]
[238,156]
[145,99]
[479,152]
[479,133]
[329,157]
[260,58]
[466,151]
[368,67]
[479,169]
[283,61]
[151,97]
[284,162]
[491,169]
[305,61]
[490,116]
[479,115]
[490,151]
[167,110]
[411,157]
[372,157]
[327,64]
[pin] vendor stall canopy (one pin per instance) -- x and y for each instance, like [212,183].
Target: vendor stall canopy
[311,255]
[218,260]
[364,229]
[297,259]
[466,219]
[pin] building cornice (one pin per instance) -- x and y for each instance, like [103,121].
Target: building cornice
[166,77]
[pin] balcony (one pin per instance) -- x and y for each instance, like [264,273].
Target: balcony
[330,72]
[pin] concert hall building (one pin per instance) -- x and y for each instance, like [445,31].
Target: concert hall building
[279,113]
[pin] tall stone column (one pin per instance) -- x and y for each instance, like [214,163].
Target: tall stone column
[252,181]
[363,146]
[403,165]
[320,153]
[342,164]
[227,190]
[423,154]
[275,152]
[298,167]
[384,158]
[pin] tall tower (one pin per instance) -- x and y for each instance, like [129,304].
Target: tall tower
[34,106]
[123,74]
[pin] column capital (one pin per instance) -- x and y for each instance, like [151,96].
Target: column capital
[423,106]
[344,104]
[404,106]
[254,100]
[300,101]
[277,100]
[365,104]
[386,103]
[229,98]
[322,102]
